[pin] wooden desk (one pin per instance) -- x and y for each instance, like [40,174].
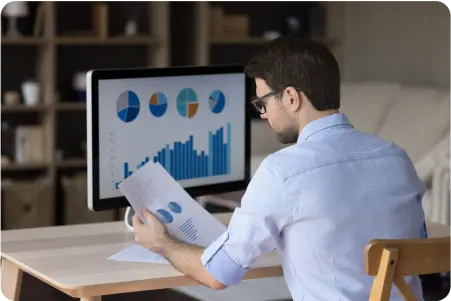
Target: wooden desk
[73,260]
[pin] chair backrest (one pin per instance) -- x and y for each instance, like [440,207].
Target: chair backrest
[390,260]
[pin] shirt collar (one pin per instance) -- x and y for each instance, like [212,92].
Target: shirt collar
[322,124]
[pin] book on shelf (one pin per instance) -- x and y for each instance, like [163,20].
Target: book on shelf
[29,144]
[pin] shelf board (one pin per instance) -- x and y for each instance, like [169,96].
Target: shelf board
[145,40]
[239,41]
[258,41]
[72,163]
[23,41]
[24,166]
[22,108]
[71,106]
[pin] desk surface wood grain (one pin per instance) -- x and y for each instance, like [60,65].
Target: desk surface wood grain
[74,260]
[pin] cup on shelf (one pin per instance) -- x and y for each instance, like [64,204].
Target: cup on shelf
[131,28]
[30,92]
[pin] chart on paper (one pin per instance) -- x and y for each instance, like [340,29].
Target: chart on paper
[152,188]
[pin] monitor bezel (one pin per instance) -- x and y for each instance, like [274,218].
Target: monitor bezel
[92,111]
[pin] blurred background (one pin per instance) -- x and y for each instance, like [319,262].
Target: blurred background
[394,59]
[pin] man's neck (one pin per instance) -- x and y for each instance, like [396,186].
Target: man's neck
[315,115]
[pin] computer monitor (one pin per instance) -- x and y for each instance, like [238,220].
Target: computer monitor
[194,121]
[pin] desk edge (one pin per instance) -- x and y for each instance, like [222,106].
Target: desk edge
[134,286]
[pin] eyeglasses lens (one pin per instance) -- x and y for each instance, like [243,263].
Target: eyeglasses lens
[259,106]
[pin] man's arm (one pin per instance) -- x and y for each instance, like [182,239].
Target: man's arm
[184,257]
[254,230]
[187,259]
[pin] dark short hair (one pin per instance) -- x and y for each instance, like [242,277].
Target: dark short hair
[302,63]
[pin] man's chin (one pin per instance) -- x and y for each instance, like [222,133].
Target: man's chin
[285,140]
[283,137]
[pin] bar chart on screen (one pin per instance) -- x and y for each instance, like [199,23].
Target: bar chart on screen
[183,161]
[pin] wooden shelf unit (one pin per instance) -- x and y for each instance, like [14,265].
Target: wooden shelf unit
[23,41]
[120,41]
[25,166]
[22,109]
[156,46]
[72,163]
[71,106]
[203,42]
[236,41]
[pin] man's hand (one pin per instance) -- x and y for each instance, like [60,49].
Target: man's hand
[184,257]
[152,236]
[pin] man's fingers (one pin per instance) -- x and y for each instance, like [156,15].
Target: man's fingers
[149,216]
[136,222]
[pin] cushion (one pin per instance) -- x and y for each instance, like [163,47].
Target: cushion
[365,103]
[418,120]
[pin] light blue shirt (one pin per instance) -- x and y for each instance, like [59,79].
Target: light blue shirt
[319,202]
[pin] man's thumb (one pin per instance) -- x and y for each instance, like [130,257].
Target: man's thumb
[149,216]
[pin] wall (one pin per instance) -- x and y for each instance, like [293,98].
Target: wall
[396,41]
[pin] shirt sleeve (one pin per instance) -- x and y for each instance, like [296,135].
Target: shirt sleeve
[254,228]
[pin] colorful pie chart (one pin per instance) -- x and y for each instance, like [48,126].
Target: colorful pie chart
[216,101]
[158,104]
[127,106]
[187,103]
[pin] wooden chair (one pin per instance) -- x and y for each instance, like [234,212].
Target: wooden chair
[390,260]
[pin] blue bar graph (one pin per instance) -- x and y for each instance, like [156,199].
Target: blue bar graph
[213,154]
[168,158]
[184,162]
[224,159]
[229,143]
[219,152]
[172,157]
[177,161]
[126,172]
[210,151]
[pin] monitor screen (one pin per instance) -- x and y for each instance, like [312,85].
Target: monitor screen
[192,121]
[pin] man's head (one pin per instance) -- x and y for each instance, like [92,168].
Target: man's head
[297,81]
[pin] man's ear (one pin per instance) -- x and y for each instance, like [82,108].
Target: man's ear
[294,99]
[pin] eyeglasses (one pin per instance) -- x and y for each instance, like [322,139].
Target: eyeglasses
[260,102]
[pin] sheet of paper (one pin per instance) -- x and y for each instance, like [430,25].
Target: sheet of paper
[152,187]
[137,253]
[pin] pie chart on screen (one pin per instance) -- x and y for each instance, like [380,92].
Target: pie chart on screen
[216,101]
[158,104]
[127,106]
[187,103]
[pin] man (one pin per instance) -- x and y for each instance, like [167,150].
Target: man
[318,201]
